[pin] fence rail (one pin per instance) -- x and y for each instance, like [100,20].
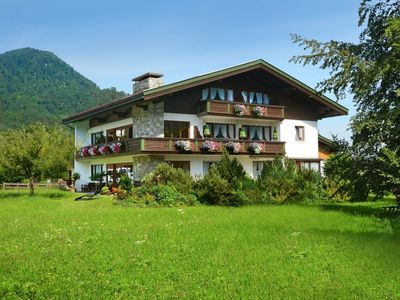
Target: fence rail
[18,186]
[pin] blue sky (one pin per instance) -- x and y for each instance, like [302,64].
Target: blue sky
[110,42]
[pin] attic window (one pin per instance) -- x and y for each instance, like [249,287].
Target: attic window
[214,93]
[255,97]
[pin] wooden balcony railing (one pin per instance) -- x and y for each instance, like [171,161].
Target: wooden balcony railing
[151,145]
[216,107]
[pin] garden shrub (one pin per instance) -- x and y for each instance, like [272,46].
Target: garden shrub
[161,195]
[166,174]
[215,190]
[125,183]
[282,182]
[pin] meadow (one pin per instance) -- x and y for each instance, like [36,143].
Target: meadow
[54,247]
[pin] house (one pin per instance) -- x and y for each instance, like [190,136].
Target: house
[254,110]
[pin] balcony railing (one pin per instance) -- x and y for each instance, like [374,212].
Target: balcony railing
[226,108]
[151,145]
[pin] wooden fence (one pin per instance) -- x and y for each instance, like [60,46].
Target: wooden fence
[19,186]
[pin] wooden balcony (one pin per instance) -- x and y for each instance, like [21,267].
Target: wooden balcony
[226,108]
[149,145]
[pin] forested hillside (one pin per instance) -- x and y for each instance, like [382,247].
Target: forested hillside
[36,85]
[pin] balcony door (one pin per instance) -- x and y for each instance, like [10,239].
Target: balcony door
[176,129]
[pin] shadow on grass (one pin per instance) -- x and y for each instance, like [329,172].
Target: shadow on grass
[367,209]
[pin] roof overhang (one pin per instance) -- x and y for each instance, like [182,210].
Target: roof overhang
[102,108]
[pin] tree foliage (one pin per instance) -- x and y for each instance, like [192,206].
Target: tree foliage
[38,86]
[370,71]
[35,152]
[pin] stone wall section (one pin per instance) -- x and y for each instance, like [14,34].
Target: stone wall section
[148,119]
[145,164]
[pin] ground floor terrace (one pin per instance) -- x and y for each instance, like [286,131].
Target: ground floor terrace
[137,166]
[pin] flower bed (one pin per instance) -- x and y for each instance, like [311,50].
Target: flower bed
[232,147]
[209,146]
[183,146]
[254,148]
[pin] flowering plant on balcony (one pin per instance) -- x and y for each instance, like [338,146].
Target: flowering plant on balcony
[232,147]
[183,146]
[239,110]
[104,149]
[209,146]
[258,111]
[85,151]
[275,134]
[254,148]
[115,147]
[93,151]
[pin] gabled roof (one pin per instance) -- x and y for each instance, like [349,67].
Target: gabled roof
[209,77]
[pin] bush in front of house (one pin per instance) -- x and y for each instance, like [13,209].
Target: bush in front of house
[223,184]
[166,174]
[282,182]
[125,183]
[161,195]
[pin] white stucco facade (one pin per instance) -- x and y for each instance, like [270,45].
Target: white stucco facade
[308,148]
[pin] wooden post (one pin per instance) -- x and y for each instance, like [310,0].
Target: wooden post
[114,175]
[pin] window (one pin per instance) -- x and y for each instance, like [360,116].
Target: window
[176,129]
[184,165]
[222,131]
[119,134]
[214,93]
[207,166]
[258,133]
[310,165]
[257,168]
[97,138]
[96,169]
[299,133]
[255,97]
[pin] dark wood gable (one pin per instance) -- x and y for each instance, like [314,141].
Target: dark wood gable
[297,104]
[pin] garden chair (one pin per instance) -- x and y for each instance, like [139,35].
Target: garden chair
[91,196]
[393,208]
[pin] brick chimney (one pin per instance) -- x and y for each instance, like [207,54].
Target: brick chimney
[147,81]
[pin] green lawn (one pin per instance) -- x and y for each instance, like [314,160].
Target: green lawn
[58,248]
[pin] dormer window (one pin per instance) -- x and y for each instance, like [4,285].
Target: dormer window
[214,93]
[255,97]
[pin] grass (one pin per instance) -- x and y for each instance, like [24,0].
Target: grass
[53,247]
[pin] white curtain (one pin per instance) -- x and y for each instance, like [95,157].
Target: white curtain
[265,99]
[259,98]
[256,133]
[251,98]
[231,131]
[213,92]
[221,93]
[229,95]
[267,133]
[204,95]
[244,95]
[220,131]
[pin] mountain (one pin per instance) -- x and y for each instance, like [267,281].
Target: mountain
[36,85]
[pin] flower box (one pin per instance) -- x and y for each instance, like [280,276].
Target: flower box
[254,148]
[258,111]
[232,147]
[183,146]
[239,110]
[209,146]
